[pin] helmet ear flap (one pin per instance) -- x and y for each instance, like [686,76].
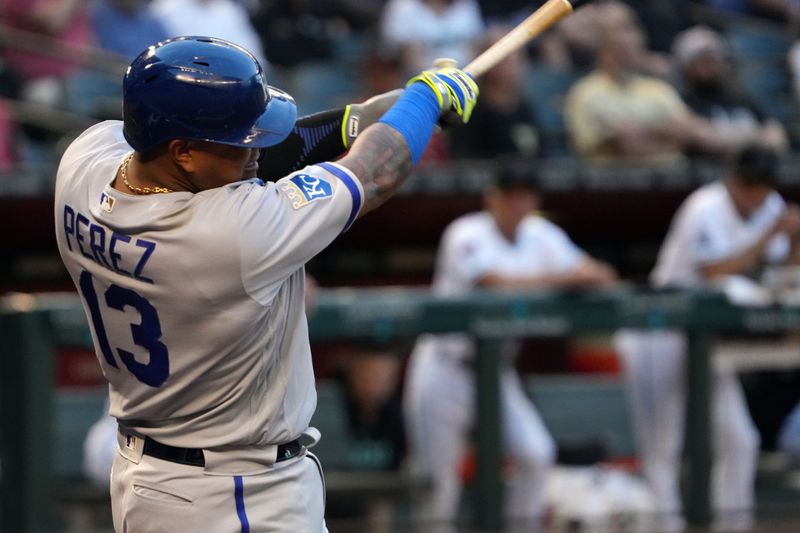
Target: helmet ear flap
[202,88]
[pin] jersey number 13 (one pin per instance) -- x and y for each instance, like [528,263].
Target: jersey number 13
[146,334]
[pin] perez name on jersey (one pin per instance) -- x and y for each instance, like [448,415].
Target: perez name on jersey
[119,253]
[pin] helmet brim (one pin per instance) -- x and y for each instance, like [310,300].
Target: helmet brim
[272,127]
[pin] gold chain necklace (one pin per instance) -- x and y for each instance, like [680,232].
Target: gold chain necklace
[138,190]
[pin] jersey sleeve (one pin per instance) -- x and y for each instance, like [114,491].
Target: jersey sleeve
[779,247]
[561,254]
[712,242]
[285,224]
[467,254]
[473,260]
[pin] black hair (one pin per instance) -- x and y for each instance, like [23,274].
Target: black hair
[756,165]
[517,173]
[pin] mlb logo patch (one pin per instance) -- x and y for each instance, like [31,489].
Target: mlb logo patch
[304,189]
[106,202]
[130,442]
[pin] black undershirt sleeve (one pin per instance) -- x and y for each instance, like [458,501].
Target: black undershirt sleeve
[314,139]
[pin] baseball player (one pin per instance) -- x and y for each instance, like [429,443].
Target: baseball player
[504,246]
[191,272]
[724,231]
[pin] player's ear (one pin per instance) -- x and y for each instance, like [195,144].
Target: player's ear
[180,151]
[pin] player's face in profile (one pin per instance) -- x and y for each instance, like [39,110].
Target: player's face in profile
[748,198]
[220,164]
[510,206]
[519,203]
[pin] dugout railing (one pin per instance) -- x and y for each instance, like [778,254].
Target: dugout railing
[32,327]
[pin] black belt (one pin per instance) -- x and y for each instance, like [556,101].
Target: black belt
[195,457]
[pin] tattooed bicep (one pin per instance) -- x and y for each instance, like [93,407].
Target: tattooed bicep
[381,161]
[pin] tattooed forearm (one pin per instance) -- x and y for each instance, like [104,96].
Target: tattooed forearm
[381,160]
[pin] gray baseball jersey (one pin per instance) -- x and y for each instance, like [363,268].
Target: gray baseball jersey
[195,301]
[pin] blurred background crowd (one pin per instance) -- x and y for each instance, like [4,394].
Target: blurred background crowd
[708,78]
[620,111]
[717,73]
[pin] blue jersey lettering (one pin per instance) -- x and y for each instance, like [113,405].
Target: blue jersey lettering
[149,248]
[115,257]
[106,248]
[80,219]
[69,224]
[97,242]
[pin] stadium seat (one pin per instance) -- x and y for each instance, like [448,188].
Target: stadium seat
[752,41]
[769,85]
[584,409]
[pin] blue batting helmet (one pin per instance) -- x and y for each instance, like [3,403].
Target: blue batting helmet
[206,89]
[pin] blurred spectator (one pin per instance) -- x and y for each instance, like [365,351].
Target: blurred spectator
[432,29]
[370,378]
[503,247]
[721,236]
[66,22]
[362,16]
[576,40]
[662,20]
[573,42]
[382,69]
[225,19]
[53,26]
[703,61]
[508,12]
[294,32]
[49,57]
[617,113]
[502,122]
[297,31]
[125,27]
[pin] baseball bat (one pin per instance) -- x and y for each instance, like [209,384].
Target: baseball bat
[539,21]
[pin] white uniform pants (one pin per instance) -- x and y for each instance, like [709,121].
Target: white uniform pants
[655,363]
[439,407]
[157,496]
